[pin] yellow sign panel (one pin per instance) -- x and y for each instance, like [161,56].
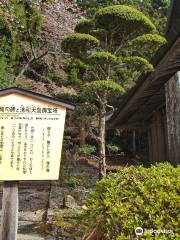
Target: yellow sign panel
[31,134]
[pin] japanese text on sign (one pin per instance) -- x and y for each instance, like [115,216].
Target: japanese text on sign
[30,139]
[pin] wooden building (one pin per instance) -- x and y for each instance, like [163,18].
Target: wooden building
[153,105]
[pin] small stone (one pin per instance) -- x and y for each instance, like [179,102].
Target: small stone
[70,202]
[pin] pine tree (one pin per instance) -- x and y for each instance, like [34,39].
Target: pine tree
[114,44]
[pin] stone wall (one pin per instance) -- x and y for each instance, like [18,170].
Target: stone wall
[36,197]
[76,180]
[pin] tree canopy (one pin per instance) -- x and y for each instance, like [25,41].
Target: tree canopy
[155,9]
[123,18]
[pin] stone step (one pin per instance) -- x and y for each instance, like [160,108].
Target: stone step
[29,237]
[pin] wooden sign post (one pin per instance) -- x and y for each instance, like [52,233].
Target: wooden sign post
[31,134]
[9,222]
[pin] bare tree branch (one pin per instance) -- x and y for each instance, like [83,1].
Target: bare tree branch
[31,44]
[27,65]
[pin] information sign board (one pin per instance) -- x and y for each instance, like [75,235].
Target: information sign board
[31,135]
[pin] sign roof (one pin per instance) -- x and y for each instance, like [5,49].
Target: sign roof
[37,96]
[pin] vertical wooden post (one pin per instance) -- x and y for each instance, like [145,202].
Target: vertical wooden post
[134,142]
[9,221]
[150,142]
[173,117]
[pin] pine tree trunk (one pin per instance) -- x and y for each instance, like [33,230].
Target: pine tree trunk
[102,157]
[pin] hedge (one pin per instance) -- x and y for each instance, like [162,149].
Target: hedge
[135,197]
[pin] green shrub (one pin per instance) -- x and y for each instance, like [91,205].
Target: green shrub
[87,149]
[112,148]
[74,182]
[59,77]
[135,197]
